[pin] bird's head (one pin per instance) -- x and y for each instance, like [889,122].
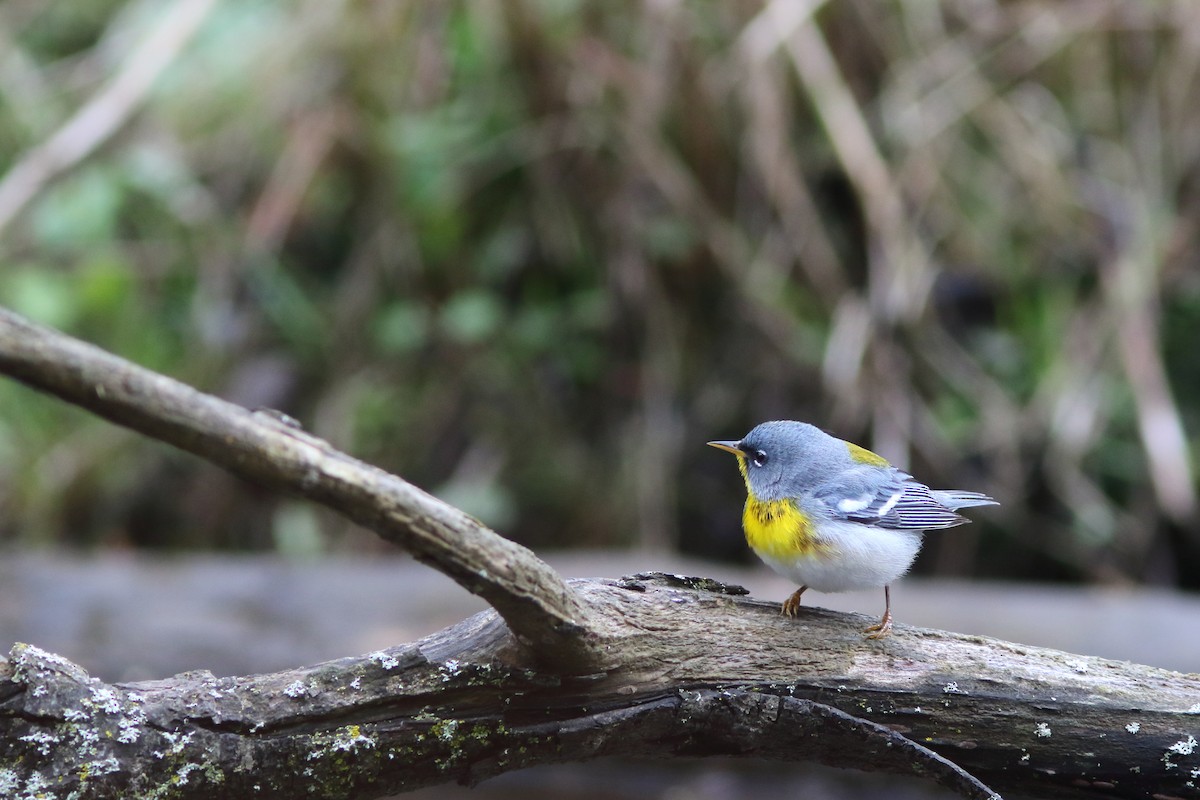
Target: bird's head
[775,456]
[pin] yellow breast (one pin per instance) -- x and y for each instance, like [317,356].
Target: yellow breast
[779,529]
[776,528]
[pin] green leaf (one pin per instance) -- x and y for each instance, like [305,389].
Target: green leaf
[82,210]
[402,327]
[43,295]
[471,316]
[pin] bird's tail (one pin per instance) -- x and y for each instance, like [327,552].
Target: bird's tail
[956,500]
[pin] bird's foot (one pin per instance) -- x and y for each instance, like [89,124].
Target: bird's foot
[881,629]
[791,606]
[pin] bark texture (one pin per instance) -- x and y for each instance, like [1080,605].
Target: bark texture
[690,669]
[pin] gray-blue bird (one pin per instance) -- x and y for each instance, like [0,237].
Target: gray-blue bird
[833,516]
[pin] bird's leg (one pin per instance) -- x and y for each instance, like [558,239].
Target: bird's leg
[791,606]
[884,626]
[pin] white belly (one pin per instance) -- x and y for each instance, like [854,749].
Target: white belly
[854,557]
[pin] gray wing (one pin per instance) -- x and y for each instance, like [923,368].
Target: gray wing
[887,498]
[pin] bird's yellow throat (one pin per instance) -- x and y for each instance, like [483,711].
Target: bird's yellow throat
[776,528]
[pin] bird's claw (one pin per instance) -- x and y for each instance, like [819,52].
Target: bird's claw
[791,606]
[881,629]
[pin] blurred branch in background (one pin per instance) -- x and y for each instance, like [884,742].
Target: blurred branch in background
[553,249]
[104,113]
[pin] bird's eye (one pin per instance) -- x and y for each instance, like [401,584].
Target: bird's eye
[759,458]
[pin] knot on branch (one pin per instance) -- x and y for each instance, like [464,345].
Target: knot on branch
[637,583]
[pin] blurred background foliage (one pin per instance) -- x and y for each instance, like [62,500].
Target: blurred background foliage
[532,255]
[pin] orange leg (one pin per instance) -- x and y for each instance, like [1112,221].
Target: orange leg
[791,606]
[884,626]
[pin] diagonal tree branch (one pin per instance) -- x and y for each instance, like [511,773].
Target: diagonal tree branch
[541,609]
[105,113]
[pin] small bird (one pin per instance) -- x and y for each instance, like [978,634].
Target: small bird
[833,516]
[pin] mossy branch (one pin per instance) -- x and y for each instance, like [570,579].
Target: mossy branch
[692,669]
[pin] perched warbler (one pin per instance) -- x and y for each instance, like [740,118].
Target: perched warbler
[833,516]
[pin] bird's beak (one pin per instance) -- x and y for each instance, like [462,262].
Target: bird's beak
[732,447]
